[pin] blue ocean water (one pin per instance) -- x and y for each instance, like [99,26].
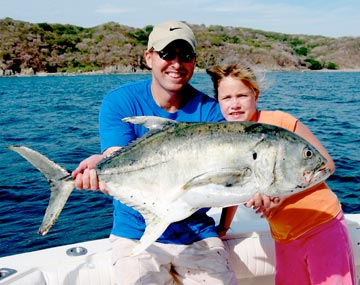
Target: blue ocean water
[58,117]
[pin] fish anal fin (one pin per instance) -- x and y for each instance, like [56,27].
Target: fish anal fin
[153,230]
[226,177]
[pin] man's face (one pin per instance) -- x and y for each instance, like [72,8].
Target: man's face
[172,67]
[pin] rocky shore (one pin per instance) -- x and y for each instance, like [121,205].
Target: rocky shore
[29,72]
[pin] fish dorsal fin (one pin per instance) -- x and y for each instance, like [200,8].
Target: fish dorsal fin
[150,122]
[226,177]
[155,226]
[153,123]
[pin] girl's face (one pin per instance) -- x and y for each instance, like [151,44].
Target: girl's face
[237,101]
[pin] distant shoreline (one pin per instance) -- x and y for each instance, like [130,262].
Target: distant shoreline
[102,72]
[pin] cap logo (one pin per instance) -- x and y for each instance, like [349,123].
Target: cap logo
[173,29]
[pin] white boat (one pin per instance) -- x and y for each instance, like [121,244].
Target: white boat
[88,263]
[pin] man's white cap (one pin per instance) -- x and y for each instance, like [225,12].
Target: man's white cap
[165,33]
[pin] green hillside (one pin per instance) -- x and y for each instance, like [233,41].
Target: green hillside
[112,47]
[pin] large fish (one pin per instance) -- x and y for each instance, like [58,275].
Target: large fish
[177,168]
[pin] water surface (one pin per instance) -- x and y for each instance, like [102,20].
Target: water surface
[58,116]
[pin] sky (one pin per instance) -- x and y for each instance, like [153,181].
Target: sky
[331,18]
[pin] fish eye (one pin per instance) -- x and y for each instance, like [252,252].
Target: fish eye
[307,153]
[254,155]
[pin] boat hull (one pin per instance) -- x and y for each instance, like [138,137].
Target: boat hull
[248,241]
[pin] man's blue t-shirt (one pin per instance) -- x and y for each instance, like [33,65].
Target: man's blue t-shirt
[135,99]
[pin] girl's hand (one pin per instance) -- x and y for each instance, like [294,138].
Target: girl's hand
[264,205]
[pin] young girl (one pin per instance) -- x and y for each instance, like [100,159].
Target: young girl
[312,244]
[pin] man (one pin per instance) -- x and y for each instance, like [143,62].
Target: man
[189,251]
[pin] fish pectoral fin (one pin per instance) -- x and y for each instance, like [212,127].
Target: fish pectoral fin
[153,230]
[226,177]
[150,122]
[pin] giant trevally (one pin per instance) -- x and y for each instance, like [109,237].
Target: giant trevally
[177,168]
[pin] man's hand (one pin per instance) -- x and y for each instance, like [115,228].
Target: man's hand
[85,174]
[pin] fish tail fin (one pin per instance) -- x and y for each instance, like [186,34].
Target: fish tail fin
[60,180]
[152,232]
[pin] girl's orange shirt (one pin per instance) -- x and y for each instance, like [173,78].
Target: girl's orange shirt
[303,211]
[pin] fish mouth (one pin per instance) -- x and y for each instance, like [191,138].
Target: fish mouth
[314,177]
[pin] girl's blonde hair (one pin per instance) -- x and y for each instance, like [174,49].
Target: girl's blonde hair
[237,71]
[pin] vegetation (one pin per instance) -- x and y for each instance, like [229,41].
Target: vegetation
[314,64]
[112,47]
